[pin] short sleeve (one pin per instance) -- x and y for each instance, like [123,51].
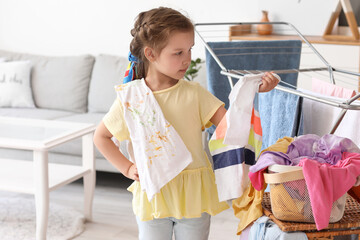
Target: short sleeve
[208,105]
[115,122]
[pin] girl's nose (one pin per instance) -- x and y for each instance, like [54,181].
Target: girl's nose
[187,61]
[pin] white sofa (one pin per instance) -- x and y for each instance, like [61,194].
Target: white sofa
[73,88]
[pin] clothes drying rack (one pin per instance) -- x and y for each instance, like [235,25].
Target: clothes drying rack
[212,30]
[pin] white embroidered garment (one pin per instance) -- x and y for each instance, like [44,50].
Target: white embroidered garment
[160,154]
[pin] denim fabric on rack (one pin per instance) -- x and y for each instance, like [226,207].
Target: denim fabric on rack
[252,55]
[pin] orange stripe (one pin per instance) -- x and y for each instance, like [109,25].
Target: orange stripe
[221,128]
[256,122]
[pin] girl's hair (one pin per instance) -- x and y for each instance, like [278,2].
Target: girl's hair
[153,28]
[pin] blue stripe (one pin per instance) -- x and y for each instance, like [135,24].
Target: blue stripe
[233,157]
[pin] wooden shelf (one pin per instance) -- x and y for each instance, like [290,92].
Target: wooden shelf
[311,39]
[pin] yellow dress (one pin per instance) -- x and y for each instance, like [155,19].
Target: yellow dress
[188,107]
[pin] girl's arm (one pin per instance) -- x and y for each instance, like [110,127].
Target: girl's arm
[102,140]
[219,114]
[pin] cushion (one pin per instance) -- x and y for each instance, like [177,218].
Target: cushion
[60,83]
[108,71]
[15,88]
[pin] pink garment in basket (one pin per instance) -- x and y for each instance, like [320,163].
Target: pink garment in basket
[326,183]
[329,89]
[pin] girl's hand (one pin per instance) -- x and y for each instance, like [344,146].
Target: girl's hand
[132,173]
[269,81]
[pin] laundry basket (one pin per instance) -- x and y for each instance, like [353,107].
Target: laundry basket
[289,197]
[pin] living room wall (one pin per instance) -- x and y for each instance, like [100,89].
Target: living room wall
[68,27]
[63,27]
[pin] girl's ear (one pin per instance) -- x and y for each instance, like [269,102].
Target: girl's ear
[149,54]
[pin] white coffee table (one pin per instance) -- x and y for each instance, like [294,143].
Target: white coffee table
[39,177]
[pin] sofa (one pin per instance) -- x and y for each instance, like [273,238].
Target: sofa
[62,88]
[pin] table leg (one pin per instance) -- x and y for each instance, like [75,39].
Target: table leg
[88,156]
[41,186]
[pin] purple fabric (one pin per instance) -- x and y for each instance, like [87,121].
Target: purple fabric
[302,146]
[269,158]
[331,148]
[326,149]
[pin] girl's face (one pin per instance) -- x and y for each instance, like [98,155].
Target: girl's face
[175,57]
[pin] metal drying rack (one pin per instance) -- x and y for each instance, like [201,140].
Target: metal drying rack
[237,74]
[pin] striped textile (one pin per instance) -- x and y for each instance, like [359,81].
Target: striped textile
[232,160]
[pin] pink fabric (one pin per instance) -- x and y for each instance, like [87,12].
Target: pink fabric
[326,183]
[257,179]
[331,89]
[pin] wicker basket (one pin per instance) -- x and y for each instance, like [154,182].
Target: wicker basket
[290,200]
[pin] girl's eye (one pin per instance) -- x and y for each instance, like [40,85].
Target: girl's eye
[179,53]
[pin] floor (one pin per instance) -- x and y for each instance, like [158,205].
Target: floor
[112,213]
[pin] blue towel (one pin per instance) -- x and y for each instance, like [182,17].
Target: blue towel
[280,114]
[250,55]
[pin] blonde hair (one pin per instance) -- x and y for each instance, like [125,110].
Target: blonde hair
[152,28]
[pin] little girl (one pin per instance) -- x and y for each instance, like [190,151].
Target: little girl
[163,116]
